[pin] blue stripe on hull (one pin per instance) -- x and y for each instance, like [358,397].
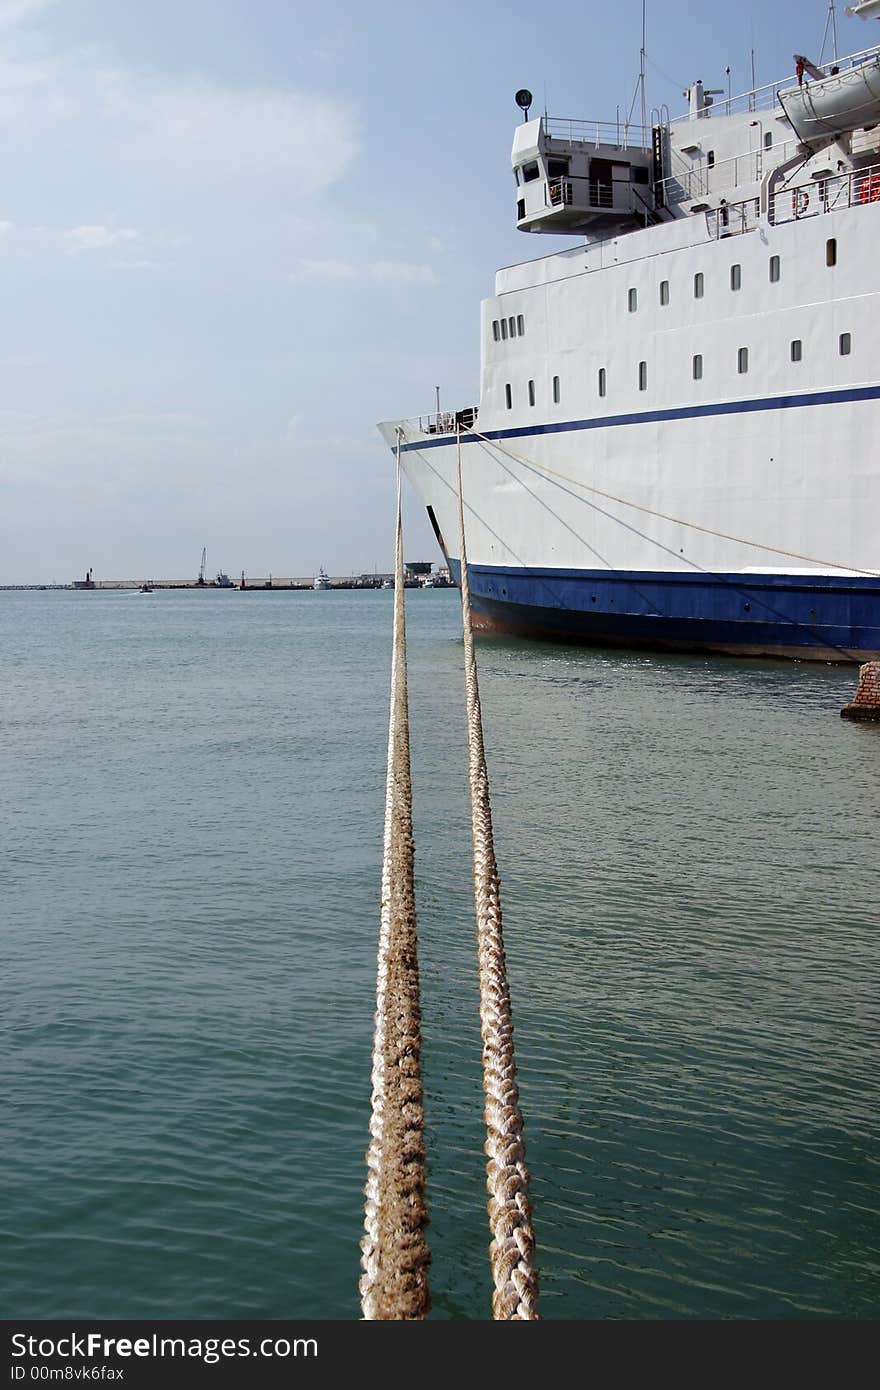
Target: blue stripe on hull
[804,615]
[841,396]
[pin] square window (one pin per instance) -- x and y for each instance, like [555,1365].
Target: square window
[633,300]
[797,350]
[742,361]
[664,291]
[602,381]
[736,277]
[556,392]
[845,344]
[698,285]
[774,270]
[698,366]
[530,172]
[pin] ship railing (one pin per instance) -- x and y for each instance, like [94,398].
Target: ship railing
[765,98]
[447,421]
[583,191]
[732,219]
[826,191]
[689,181]
[622,135]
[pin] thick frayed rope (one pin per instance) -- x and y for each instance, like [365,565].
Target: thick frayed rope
[395,1256]
[512,1250]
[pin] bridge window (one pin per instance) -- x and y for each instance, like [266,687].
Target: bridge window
[736,277]
[557,168]
[643,376]
[602,381]
[530,172]
[831,251]
[633,300]
[531,393]
[508,396]
[698,285]
[698,366]
[520,209]
[520,325]
[797,350]
[845,344]
[496,331]
[664,291]
[742,361]
[556,390]
[774,269]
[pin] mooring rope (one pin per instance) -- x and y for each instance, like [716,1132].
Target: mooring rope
[395,1256]
[512,1250]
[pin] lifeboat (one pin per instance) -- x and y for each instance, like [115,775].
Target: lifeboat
[843,101]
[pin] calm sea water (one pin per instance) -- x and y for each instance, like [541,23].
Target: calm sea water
[193,790]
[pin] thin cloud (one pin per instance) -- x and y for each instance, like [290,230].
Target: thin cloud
[97,237]
[394,272]
[14,12]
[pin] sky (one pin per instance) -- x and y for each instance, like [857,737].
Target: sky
[235,234]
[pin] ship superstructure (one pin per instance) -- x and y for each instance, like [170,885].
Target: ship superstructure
[678,432]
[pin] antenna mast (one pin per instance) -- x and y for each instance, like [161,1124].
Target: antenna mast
[830,23]
[640,88]
[642,72]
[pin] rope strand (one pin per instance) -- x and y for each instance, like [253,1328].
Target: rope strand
[395,1256]
[512,1250]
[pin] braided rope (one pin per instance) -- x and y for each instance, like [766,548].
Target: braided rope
[394,1252]
[512,1249]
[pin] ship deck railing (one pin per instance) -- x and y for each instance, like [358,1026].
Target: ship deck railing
[620,135]
[445,421]
[766,97]
[689,181]
[825,191]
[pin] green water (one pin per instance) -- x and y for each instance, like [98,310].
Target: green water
[193,790]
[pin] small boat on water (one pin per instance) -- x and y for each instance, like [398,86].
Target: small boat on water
[387,584]
[145,589]
[322,579]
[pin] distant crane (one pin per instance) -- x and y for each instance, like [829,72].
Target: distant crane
[201,578]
